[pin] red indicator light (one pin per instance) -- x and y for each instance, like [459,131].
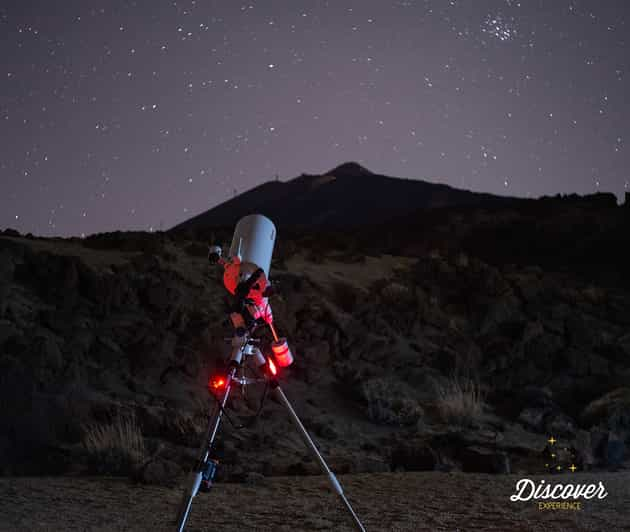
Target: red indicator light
[217,383]
[272,367]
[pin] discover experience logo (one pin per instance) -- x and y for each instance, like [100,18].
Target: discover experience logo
[548,493]
[527,490]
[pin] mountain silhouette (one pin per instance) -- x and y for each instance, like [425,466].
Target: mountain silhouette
[346,196]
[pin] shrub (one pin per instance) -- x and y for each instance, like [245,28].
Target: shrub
[460,401]
[386,403]
[115,448]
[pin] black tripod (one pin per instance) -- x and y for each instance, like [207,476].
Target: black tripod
[244,347]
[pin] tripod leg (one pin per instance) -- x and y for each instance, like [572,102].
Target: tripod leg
[193,487]
[279,394]
[195,476]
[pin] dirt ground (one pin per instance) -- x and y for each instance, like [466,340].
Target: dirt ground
[388,501]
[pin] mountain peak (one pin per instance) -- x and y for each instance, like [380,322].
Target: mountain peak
[349,169]
[346,196]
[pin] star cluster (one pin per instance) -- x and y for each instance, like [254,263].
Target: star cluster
[140,114]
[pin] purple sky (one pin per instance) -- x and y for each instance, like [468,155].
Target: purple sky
[141,114]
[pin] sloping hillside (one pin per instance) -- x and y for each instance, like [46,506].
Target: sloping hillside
[427,358]
[347,196]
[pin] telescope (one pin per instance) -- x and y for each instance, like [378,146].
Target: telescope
[246,277]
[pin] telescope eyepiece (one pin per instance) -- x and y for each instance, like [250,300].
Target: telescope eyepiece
[214,254]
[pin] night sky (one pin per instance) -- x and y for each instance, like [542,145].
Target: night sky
[140,114]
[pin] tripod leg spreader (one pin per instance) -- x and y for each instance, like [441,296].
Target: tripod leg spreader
[279,394]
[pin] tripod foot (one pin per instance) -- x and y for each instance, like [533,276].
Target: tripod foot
[194,482]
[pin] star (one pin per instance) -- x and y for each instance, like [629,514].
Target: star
[552,440]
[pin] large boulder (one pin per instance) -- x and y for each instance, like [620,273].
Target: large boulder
[414,455]
[611,411]
[160,471]
[477,459]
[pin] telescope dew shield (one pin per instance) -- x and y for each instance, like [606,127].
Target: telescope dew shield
[253,241]
[282,353]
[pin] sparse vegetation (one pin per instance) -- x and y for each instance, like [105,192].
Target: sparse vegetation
[460,401]
[386,403]
[117,447]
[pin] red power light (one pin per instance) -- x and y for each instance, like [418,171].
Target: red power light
[217,383]
[272,367]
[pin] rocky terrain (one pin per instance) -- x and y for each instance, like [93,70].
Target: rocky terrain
[444,346]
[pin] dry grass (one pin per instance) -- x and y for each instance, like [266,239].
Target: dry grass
[460,401]
[117,447]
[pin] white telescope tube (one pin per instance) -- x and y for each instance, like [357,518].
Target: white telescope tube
[253,241]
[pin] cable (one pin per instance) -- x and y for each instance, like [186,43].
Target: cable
[262,400]
[255,417]
[227,416]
